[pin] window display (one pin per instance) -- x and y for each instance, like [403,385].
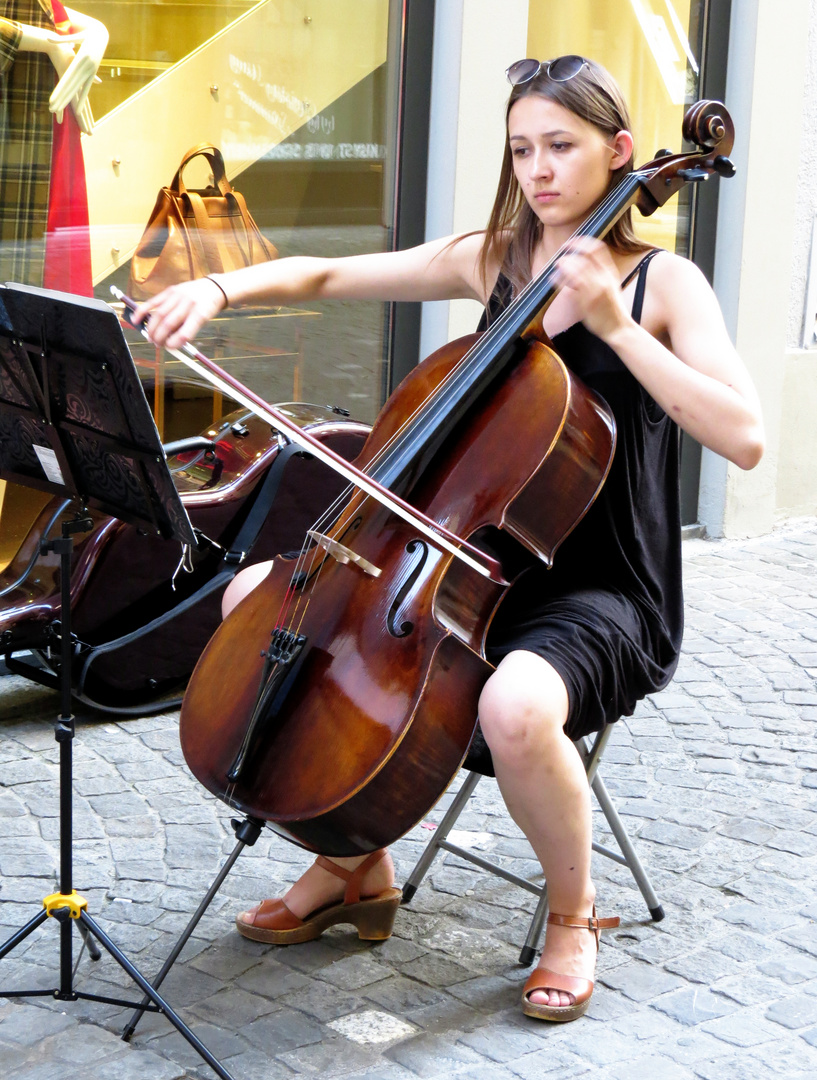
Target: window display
[651,48]
[301,102]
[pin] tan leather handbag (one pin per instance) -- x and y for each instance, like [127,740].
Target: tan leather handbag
[194,233]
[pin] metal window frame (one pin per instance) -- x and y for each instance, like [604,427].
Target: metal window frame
[416,26]
[713,49]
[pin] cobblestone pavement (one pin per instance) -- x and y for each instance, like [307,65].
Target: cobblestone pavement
[716,779]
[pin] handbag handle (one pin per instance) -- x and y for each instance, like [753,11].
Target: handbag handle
[207,242]
[213,155]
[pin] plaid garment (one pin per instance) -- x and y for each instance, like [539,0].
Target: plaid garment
[26,82]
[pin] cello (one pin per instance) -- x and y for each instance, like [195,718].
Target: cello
[338,699]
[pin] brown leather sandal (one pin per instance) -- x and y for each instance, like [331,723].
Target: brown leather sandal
[544,979]
[272,921]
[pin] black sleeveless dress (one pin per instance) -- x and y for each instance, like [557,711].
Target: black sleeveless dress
[609,614]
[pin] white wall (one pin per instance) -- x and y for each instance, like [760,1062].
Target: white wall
[768,63]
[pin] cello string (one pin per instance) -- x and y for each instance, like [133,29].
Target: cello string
[459,373]
[451,383]
[333,512]
[296,602]
[420,418]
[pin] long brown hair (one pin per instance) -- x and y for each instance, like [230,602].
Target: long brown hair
[513,228]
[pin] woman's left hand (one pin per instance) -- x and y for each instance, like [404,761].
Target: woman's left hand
[588,272]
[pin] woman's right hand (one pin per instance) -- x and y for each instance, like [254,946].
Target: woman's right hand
[175,315]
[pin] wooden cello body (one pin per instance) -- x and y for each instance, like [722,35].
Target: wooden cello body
[359,747]
[338,700]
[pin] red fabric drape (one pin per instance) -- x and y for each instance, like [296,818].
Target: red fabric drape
[67,237]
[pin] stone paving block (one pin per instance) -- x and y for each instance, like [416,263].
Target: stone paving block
[272,980]
[790,1056]
[41,1070]
[331,1057]
[354,972]
[396,950]
[681,778]
[235,1008]
[746,1028]
[768,889]
[402,995]
[793,1012]
[803,937]
[705,966]
[693,817]
[252,1065]
[28,1025]
[504,1042]
[554,1061]
[438,971]
[791,969]
[655,1066]
[656,948]
[694,1006]
[427,1056]
[676,836]
[451,1014]
[741,1066]
[285,1029]
[486,1072]
[753,832]
[639,981]
[720,766]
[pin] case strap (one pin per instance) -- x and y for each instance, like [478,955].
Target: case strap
[242,545]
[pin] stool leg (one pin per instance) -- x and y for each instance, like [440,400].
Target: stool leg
[627,849]
[529,949]
[440,833]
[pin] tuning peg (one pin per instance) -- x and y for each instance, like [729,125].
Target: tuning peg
[723,166]
[693,176]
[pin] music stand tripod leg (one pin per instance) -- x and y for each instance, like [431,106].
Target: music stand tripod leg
[67,906]
[247,832]
[158,1001]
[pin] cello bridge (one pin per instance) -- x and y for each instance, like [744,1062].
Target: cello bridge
[342,554]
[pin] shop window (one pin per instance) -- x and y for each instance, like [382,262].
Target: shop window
[653,48]
[650,47]
[301,99]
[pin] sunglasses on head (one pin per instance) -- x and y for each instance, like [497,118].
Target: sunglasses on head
[562,69]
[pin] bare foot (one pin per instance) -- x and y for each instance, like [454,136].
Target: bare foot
[568,950]
[317,887]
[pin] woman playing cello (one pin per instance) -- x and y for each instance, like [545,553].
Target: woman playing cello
[575,646]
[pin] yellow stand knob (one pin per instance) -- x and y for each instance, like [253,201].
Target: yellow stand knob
[75,903]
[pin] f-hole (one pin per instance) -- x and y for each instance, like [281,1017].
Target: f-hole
[405,628]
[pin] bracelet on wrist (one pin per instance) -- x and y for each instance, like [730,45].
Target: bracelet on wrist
[220,289]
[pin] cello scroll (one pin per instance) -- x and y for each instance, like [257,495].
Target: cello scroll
[708,125]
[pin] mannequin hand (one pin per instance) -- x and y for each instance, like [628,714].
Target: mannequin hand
[177,314]
[77,71]
[589,273]
[63,57]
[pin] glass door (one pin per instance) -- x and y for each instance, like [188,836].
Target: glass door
[665,55]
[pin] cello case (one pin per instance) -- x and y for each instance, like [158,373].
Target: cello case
[140,622]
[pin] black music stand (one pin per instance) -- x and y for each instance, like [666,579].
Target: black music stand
[74,421]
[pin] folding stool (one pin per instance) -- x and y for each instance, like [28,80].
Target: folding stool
[478,764]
